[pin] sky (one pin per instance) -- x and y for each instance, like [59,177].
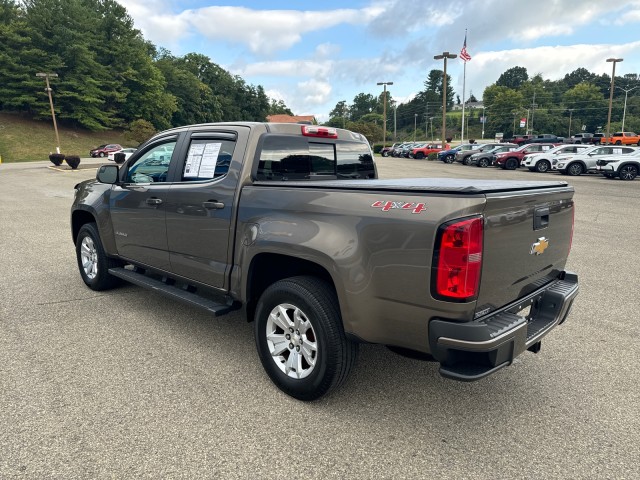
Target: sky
[312,55]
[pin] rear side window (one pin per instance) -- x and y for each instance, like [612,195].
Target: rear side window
[296,158]
[207,159]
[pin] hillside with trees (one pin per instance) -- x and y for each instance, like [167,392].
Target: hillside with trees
[109,76]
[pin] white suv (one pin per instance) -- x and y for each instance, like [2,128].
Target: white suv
[625,167]
[541,162]
[583,162]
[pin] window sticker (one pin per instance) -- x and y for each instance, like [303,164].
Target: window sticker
[202,160]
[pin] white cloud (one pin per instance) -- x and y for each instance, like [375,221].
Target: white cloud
[314,92]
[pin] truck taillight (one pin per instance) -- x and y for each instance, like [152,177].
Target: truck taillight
[323,132]
[458,260]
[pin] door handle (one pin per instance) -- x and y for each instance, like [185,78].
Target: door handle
[154,201]
[213,205]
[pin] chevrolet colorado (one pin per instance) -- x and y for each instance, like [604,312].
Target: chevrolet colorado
[290,226]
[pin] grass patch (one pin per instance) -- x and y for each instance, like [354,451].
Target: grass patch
[24,140]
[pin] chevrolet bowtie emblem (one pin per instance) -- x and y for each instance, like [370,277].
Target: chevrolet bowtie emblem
[540,246]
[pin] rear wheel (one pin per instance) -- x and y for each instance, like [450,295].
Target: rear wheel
[511,164]
[543,166]
[385,153]
[618,142]
[575,169]
[466,161]
[300,337]
[628,172]
[102,154]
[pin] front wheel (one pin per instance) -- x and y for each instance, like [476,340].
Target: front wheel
[543,166]
[93,262]
[300,337]
[628,172]
[466,161]
[575,169]
[511,164]
[419,156]
[449,159]
[385,154]
[483,163]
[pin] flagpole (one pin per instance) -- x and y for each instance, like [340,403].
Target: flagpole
[464,81]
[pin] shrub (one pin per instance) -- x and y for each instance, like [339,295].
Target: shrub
[432,156]
[56,158]
[73,161]
[139,131]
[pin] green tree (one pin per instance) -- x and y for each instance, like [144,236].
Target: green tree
[278,107]
[434,86]
[502,105]
[588,104]
[513,78]
[363,103]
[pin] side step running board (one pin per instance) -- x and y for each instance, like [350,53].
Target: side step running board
[177,293]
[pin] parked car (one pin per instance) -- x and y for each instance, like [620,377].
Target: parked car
[624,167]
[487,157]
[541,162]
[424,150]
[510,160]
[104,150]
[449,155]
[585,161]
[598,138]
[386,151]
[624,138]
[127,152]
[580,138]
[397,150]
[520,139]
[463,155]
[545,138]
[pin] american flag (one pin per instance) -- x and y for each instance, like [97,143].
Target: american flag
[463,53]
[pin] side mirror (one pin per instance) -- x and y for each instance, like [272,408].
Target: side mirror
[108,174]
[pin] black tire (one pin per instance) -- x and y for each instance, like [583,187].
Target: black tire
[483,162]
[628,172]
[618,142]
[419,156]
[511,164]
[543,166]
[102,154]
[466,161]
[575,169]
[449,159]
[100,278]
[335,355]
[385,154]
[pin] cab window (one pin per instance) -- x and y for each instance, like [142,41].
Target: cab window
[207,159]
[152,166]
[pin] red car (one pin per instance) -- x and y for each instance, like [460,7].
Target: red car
[511,160]
[424,151]
[104,150]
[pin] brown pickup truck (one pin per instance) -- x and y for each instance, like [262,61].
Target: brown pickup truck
[289,226]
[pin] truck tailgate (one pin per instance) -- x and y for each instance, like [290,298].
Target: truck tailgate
[526,243]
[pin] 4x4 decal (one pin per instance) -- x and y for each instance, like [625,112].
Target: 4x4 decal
[386,206]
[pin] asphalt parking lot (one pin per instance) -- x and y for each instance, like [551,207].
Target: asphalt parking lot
[128,384]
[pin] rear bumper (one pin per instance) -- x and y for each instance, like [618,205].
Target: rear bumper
[473,350]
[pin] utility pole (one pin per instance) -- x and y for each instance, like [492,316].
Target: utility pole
[570,114]
[53,113]
[533,109]
[484,120]
[613,78]
[444,56]
[384,113]
[395,113]
[415,125]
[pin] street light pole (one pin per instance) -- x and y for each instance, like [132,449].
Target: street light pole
[415,125]
[624,111]
[444,56]
[384,112]
[53,113]
[484,120]
[613,77]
